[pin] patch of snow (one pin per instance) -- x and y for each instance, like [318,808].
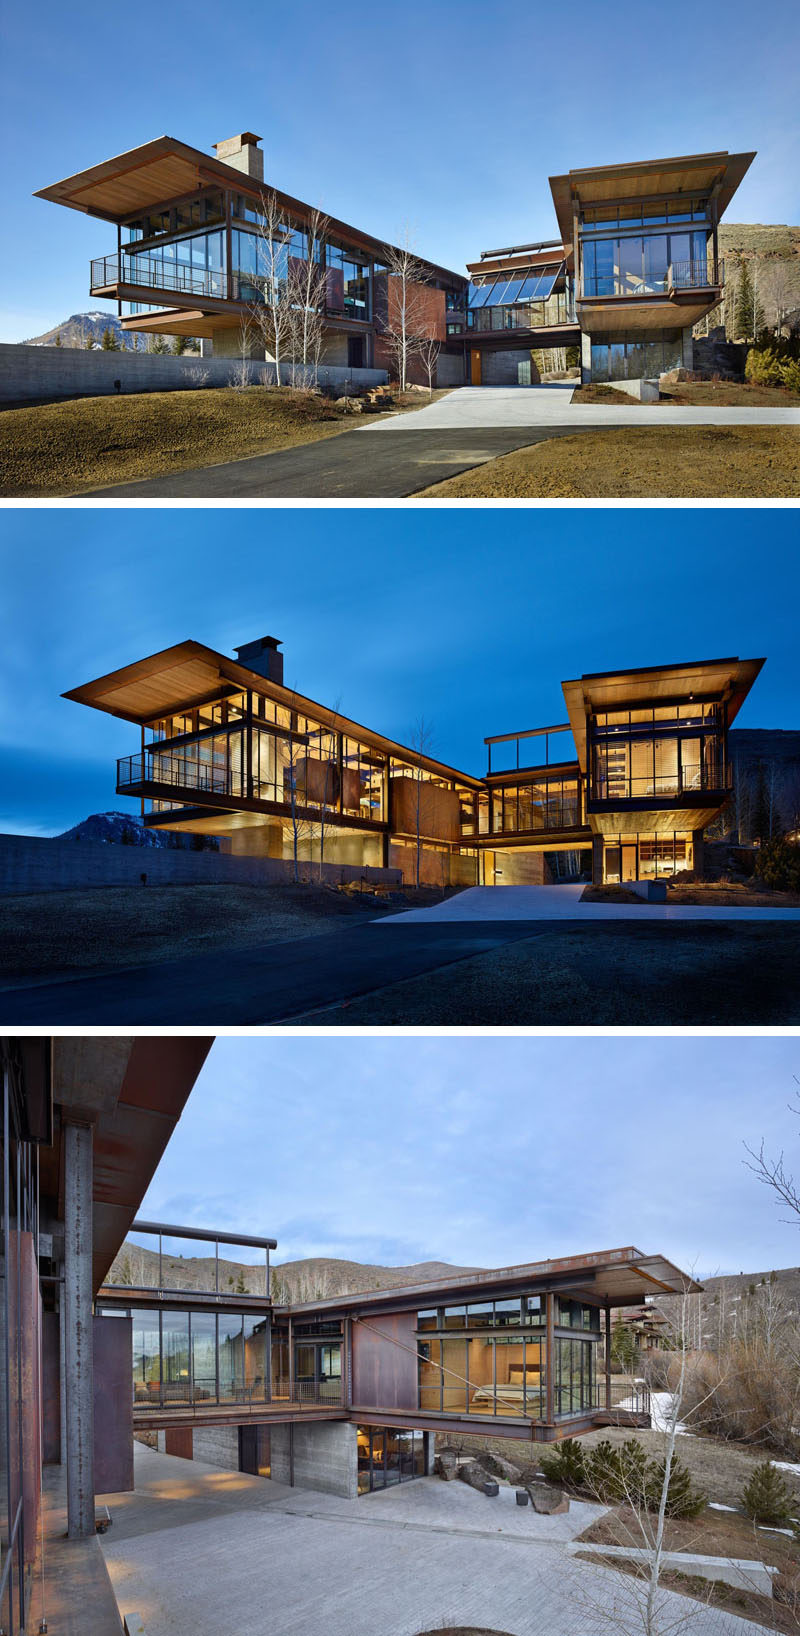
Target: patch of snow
[661,1408]
[716,1505]
[786,1465]
[789,1532]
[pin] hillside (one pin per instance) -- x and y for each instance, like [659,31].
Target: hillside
[75,331]
[127,829]
[749,745]
[758,239]
[312,1279]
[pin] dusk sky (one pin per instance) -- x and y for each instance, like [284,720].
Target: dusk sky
[472,618]
[448,118]
[402,1150]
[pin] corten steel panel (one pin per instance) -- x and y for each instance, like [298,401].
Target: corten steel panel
[51,1389]
[439,809]
[317,780]
[385,1362]
[179,1440]
[113,1405]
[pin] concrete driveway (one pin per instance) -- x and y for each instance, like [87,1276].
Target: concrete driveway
[196,1551]
[493,407]
[536,903]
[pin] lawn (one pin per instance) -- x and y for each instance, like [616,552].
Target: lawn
[612,974]
[66,448]
[648,462]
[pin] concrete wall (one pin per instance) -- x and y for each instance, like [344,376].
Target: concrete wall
[216,1446]
[450,369]
[516,867]
[31,864]
[33,373]
[325,1457]
[500,368]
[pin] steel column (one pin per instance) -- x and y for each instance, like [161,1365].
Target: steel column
[550,1357]
[78,1148]
[608,1356]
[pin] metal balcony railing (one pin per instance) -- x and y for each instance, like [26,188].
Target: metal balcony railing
[150,273]
[695,275]
[307,1392]
[178,772]
[668,787]
[633,1396]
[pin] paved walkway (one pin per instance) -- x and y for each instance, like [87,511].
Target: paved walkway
[537,406]
[197,1551]
[495,904]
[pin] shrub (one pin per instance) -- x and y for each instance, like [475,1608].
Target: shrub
[766,1497]
[566,1465]
[683,1499]
[790,374]
[763,367]
[778,865]
[618,1473]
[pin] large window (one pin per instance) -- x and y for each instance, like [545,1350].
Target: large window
[198,1357]
[347,282]
[653,856]
[644,265]
[574,1376]
[551,803]
[636,357]
[661,752]
[194,265]
[489,1357]
[387,1456]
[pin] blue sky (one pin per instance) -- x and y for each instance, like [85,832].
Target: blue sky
[472,618]
[447,117]
[310,1140]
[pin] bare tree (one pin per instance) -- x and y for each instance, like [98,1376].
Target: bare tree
[774,1174]
[272,314]
[421,741]
[308,300]
[407,319]
[780,289]
[429,349]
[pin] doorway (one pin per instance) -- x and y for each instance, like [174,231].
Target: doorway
[629,868]
[475,366]
[355,352]
[387,1456]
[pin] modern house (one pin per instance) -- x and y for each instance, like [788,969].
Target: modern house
[634,267]
[104,1340]
[623,790]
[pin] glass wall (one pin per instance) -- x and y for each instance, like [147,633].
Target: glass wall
[646,265]
[636,357]
[660,751]
[489,1356]
[387,1456]
[647,856]
[182,1357]
[195,265]
[551,803]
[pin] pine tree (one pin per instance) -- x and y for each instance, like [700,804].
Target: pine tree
[179,345]
[623,1345]
[58,341]
[744,304]
[683,1499]
[241,1287]
[766,1497]
[109,342]
[159,344]
[88,341]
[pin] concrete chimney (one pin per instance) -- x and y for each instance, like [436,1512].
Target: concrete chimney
[263,657]
[242,153]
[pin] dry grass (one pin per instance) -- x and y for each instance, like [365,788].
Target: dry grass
[711,894]
[718,1534]
[693,394]
[693,462]
[66,448]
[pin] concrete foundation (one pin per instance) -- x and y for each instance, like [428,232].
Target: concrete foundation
[322,1455]
[502,368]
[215,1445]
[30,374]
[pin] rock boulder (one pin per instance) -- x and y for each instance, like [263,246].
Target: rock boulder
[548,1501]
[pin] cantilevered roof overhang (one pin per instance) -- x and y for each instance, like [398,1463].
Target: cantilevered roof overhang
[189,674]
[132,1093]
[165,170]
[728,679]
[608,1276]
[717,174]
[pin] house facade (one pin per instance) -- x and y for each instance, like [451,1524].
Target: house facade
[622,790]
[634,267]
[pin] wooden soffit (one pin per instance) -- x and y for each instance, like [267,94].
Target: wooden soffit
[649,179]
[731,679]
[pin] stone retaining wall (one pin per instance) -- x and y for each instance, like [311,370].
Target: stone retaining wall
[32,864]
[35,374]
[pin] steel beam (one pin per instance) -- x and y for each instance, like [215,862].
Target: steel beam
[79,1380]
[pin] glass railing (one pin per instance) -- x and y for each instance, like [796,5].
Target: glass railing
[679,275]
[694,275]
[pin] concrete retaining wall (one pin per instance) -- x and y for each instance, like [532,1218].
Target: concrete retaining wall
[502,368]
[216,1446]
[450,369]
[31,864]
[46,373]
[325,1457]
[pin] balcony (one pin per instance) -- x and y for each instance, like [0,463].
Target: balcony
[109,273]
[690,782]
[179,772]
[695,275]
